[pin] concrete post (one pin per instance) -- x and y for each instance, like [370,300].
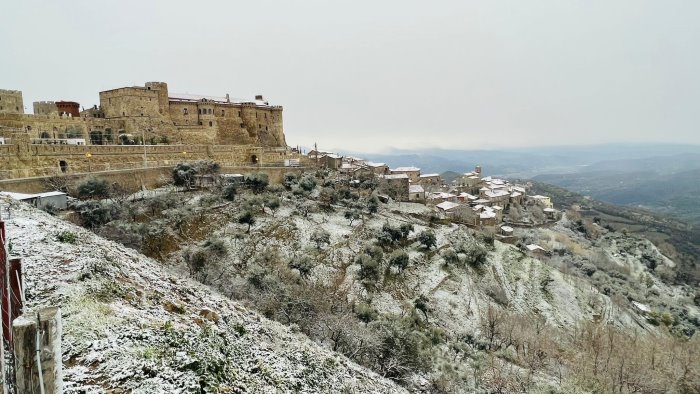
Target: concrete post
[47,355]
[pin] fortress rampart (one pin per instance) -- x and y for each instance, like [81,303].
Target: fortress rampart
[174,128]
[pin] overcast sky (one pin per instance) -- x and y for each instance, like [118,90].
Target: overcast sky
[367,75]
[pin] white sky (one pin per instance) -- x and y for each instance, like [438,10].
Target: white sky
[367,75]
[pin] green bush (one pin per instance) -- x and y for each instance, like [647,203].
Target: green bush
[302,263]
[399,259]
[427,239]
[229,192]
[67,237]
[93,188]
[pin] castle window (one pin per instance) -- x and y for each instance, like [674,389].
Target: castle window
[199,111]
[239,114]
[200,123]
[184,111]
[265,116]
[209,111]
[123,113]
[211,123]
[222,112]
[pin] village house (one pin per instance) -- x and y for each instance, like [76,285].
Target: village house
[543,201]
[430,179]
[413,173]
[331,161]
[506,231]
[436,198]
[448,208]
[416,193]
[466,198]
[378,168]
[395,185]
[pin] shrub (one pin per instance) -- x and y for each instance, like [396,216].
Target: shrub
[374,252]
[399,259]
[257,182]
[307,183]
[365,312]
[351,215]
[373,204]
[273,203]
[289,180]
[427,239]
[183,175]
[450,256]
[303,264]
[229,192]
[370,269]
[248,218]
[94,213]
[67,237]
[93,188]
[320,237]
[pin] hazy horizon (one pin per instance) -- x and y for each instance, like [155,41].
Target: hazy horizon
[372,76]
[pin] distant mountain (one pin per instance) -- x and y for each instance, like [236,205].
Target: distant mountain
[449,176]
[530,162]
[664,178]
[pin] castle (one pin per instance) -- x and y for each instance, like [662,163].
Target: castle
[127,115]
[137,127]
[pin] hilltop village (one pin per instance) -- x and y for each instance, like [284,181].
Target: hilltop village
[147,128]
[470,199]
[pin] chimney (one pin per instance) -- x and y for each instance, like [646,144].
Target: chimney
[259,97]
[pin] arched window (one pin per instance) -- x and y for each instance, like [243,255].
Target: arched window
[184,111]
[222,112]
[211,123]
[209,111]
[199,111]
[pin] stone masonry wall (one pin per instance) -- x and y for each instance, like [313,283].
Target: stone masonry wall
[11,102]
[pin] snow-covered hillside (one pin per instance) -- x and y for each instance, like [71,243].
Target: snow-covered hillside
[131,325]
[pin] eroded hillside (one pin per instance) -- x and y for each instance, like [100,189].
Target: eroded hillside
[132,326]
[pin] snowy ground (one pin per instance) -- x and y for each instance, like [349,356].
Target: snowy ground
[131,326]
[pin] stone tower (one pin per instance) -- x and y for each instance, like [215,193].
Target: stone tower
[162,89]
[11,102]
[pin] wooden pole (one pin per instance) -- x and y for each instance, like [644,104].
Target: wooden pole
[3,254]
[38,335]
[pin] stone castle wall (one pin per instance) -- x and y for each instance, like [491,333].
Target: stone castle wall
[22,161]
[45,108]
[233,134]
[11,102]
